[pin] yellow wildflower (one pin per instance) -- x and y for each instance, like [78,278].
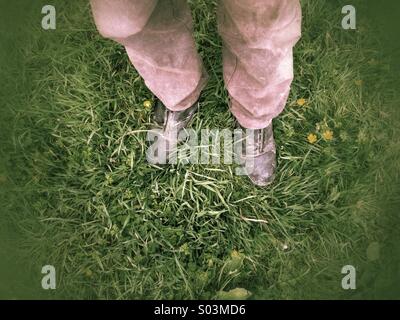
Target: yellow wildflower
[147,104]
[358,82]
[301,102]
[312,138]
[235,254]
[328,135]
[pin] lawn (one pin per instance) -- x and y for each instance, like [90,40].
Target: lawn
[80,195]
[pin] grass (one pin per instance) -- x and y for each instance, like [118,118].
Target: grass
[82,197]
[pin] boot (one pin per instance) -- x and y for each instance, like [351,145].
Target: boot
[170,124]
[259,156]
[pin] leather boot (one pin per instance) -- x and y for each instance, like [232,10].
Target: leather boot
[259,155]
[170,123]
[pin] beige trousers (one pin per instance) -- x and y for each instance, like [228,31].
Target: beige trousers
[258,38]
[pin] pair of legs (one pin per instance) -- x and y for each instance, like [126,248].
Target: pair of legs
[258,37]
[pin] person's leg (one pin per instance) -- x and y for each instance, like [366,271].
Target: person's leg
[158,39]
[258,38]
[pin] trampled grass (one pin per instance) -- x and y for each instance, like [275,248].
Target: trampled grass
[86,201]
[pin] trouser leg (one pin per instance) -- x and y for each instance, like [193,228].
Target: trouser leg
[157,35]
[258,38]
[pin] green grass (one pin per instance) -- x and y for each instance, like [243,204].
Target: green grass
[84,198]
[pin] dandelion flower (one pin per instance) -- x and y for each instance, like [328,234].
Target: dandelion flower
[328,135]
[301,102]
[358,82]
[312,138]
[235,254]
[147,104]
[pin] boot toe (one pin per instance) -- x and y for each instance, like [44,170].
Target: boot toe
[262,171]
